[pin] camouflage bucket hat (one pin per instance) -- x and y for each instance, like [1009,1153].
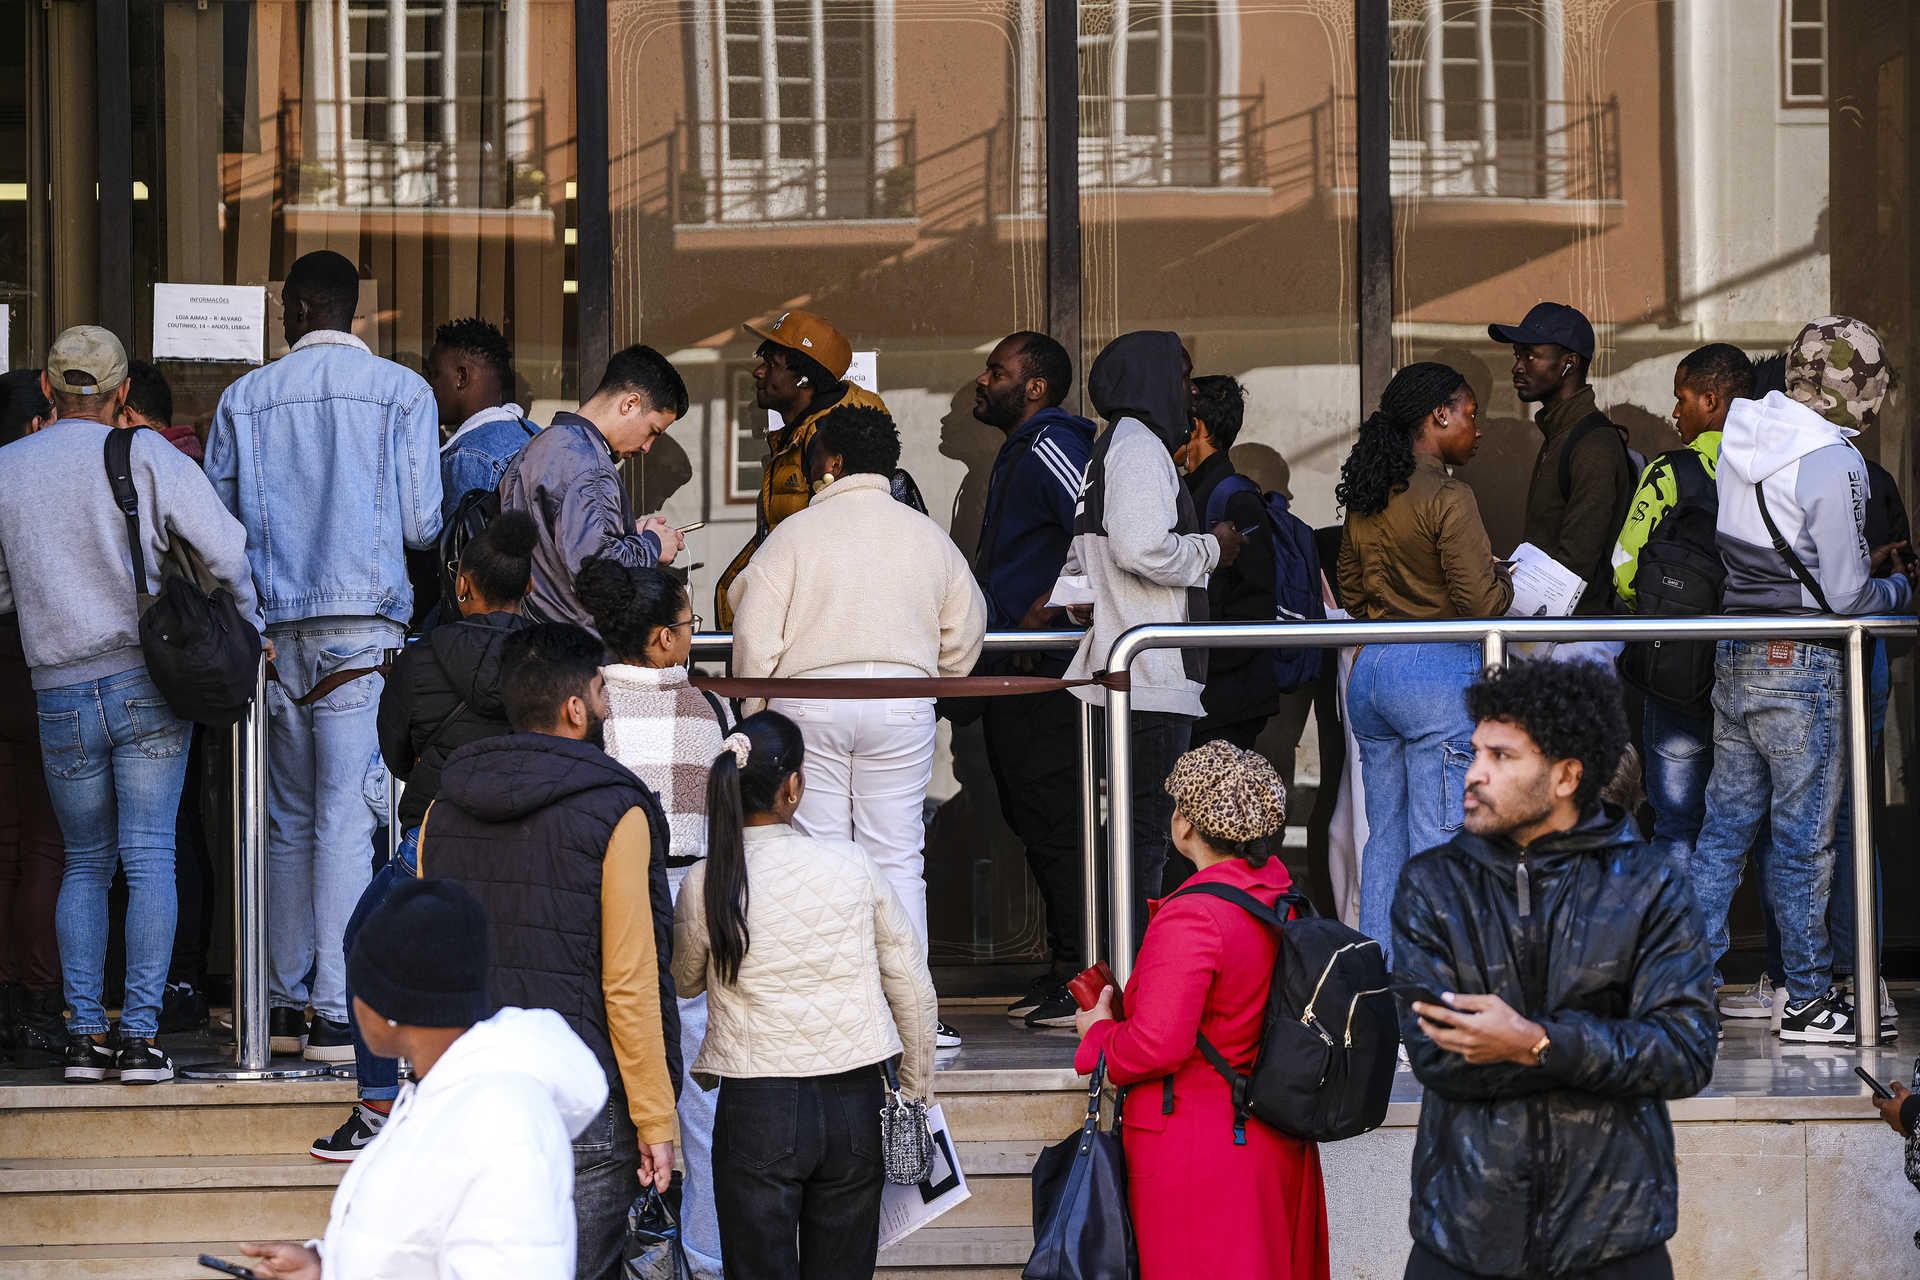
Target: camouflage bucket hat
[1837,368]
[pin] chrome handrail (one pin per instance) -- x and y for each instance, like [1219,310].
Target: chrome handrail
[1494,635]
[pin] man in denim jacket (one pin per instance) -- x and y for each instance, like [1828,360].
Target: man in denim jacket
[470,369]
[329,456]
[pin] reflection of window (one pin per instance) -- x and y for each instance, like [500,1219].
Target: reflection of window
[1477,108]
[746,449]
[795,134]
[1806,51]
[1151,113]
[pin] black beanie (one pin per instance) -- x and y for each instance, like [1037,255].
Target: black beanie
[421,958]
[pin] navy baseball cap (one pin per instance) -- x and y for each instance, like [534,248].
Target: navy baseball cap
[1554,322]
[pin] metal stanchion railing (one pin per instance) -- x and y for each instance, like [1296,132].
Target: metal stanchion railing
[252,1059]
[1494,635]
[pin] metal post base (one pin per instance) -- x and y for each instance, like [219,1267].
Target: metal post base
[277,1069]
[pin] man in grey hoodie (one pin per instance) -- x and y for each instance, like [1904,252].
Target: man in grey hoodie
[1137,540]
[1791,530]
[115,752]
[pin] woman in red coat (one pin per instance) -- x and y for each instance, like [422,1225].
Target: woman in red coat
[1203,1205]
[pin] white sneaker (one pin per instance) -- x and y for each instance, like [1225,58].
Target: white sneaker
[1779,1009]
[1748,1002]
[944,1036]
[1826,1019]
[1889,1013]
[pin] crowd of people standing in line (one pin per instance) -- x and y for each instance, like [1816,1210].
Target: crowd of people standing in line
[741,902]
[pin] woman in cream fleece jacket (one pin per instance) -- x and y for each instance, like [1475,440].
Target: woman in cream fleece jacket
[813,978]
[861,585]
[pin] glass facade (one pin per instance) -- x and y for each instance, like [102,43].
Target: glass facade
[1684,171]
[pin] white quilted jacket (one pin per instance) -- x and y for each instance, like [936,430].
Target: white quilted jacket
[834,977]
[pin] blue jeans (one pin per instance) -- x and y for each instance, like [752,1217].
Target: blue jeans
[699,1224]
[318,827]
[1408,709]
[1840,902]
[1679,758]
[379,1078]
[1779,754]
[115,757]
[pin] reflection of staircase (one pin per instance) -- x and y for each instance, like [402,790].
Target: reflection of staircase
[119,1183]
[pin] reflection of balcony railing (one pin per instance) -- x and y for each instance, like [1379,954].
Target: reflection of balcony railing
[494,160]
[1176,140]
[807,170]
[1492,149]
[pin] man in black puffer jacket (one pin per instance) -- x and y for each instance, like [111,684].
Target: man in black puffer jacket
[1578,999]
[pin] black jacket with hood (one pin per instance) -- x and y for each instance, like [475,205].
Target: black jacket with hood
[443,692]
[1558,1168]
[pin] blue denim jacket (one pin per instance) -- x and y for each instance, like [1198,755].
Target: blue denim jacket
[330,457]
[476,458]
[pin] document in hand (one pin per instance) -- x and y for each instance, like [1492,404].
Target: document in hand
[1542,586]
[904,1210]
[1071,590]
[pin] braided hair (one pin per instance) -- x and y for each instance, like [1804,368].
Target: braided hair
[1382,458]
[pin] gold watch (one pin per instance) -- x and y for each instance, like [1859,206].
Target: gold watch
[1540,1049]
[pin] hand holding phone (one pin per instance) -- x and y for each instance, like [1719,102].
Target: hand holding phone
[689,528]
[1879,1090]
[1413,992]
[212,1263]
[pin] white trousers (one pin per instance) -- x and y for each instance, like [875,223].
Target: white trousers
[867,769]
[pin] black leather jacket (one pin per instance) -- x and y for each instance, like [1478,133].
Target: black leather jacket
[1561,1167]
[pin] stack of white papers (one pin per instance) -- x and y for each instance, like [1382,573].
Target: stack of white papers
[1542,586]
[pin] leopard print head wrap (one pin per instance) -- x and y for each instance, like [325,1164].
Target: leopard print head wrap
[1230,796]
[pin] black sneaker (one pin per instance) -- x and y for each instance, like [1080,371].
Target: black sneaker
[1036,995]
[329,1041]
[141,1062]
[183,1009]
[1057,1010]
[286,1031]
[351,1138]
[944,1036]
[1826,1019]
[87,1060]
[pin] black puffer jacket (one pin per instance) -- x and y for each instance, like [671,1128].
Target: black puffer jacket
[1558,1168]
[443,692]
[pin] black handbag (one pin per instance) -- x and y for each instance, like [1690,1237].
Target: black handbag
[200,652]
[653,1250]
[1082,1227]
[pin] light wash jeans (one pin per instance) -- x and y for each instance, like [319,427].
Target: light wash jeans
[699,1221]
[1779,754]
[115,757]
[1679,759]
[1408,707]
[319,829]
[868,766]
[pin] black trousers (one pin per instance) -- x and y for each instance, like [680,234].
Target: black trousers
[1033,749]
[797,1176]
[606,1179]
[1648,1264]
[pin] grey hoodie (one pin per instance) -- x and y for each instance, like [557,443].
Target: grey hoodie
[1816,487]
[63,546]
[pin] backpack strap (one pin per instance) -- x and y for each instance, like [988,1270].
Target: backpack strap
[1222,494]
[119,463]
[1786,551]
[718,713]
[1581,429]
[1302,908]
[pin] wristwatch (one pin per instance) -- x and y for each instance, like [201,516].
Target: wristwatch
[1540,1050]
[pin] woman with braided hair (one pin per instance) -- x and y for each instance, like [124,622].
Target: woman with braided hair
[1414,549]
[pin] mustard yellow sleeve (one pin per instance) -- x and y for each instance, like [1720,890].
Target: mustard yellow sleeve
[630,976]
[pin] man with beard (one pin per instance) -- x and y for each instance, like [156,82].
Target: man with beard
[566,850]
[1574,997]
[1033,740]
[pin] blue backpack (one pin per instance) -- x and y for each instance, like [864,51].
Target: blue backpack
[1296,575]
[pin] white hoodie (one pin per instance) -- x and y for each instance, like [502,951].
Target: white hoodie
[471,1178]
[1816,487]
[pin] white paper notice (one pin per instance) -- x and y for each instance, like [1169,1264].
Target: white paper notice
[904,1210]
[6,335]
[210,322]
[1542,586]
[1073,590]
[864,373]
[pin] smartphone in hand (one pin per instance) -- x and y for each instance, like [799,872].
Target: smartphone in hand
[1413,991]
[1879,1090]
[221,1265]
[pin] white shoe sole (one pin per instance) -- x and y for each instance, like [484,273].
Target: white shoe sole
[1759,1011]
[147,1075]
[334,1157]
[1019,1012]
[328,1053]
[1812,1036]
[87,1075]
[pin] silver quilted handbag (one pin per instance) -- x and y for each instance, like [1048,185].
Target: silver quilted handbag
[906,1140]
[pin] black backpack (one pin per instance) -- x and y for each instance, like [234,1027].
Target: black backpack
[1331,1038]
[200,652]
[1680,575]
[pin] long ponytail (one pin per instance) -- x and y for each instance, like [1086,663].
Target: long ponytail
[736,791]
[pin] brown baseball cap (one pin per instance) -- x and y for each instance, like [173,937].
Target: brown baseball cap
[810,334]
[86,360]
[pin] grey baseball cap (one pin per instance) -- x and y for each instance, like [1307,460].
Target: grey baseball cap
[86,360]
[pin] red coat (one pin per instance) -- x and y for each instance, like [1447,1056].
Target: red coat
[1201,1205]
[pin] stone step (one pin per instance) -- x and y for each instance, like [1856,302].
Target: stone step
[959,1247]
[77,1122]
[167,1173]
[89,1217]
